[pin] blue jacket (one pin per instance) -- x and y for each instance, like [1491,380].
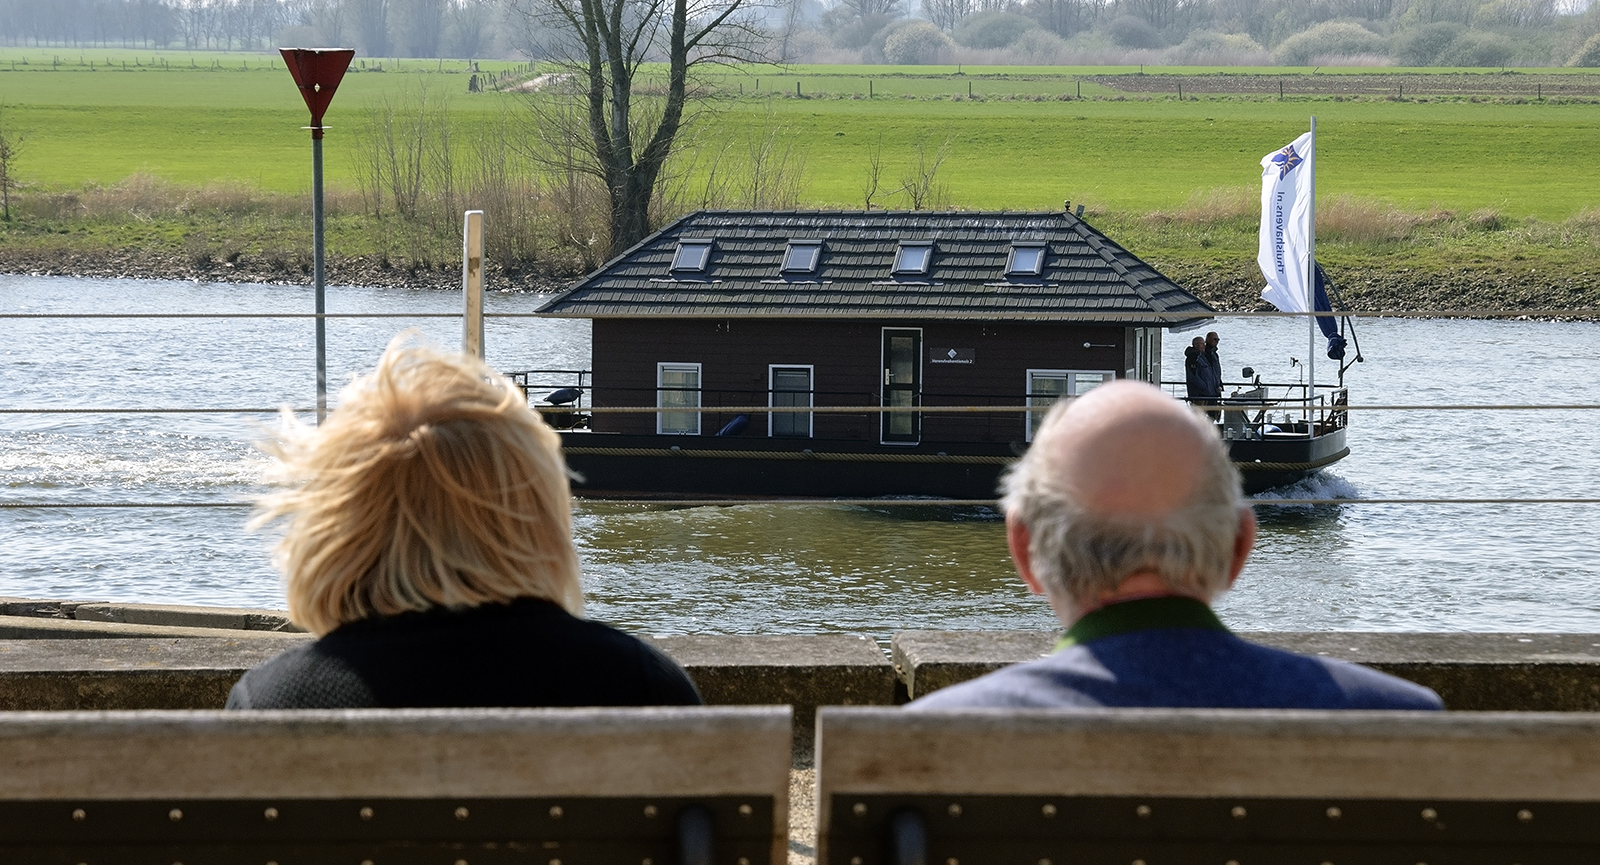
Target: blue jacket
[1173,652]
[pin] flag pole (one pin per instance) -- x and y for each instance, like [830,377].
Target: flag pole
[1311,283]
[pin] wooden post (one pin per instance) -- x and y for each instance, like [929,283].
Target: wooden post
[472,283]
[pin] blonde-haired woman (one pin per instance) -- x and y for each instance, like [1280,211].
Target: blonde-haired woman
[429,549]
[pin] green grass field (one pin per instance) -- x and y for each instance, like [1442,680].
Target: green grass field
[208,117]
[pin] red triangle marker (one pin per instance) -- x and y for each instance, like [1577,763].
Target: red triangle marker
[317,72]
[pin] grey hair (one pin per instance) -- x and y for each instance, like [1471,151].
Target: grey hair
[1078,554]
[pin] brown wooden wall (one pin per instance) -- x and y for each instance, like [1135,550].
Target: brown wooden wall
[734,356]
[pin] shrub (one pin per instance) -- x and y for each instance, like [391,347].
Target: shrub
[1479,48]
[992,29]
[1330,39]
[919,42]
[1130,32]
[1426,44]
[1208,48]
[1589,54]
[1039,46]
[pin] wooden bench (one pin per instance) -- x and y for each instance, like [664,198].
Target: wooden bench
[1126,787]
[697,786]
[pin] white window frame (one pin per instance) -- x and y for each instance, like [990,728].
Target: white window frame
[1028,422]
[661,368]
[815,246]
[1011,260]
[899,255]
[678,265]
[811,399]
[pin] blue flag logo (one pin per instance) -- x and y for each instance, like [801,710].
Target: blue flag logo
[1286,160]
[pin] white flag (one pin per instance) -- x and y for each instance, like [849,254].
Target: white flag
[1286,232]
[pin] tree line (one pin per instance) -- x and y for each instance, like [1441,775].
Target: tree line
[378,28]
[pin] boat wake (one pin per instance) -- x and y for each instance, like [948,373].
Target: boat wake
[1322,485]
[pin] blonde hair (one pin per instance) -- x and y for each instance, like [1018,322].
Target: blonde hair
[431,485]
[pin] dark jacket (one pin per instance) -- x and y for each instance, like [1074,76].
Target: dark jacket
[526,653]
[1214,366]
[1172,653]
[1196,374]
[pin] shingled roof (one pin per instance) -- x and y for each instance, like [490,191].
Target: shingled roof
[1085,276]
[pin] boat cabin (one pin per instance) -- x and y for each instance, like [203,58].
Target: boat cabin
[926,319]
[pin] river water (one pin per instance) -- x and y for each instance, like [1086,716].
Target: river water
[783,568]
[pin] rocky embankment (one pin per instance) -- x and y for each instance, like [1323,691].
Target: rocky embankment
[1236,288]
[341,270]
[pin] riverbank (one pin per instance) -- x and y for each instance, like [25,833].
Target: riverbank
[1381,259]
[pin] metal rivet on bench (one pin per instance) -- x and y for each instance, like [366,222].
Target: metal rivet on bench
[649,810]
[175,815]
[954,810]
[1048,810]
[1525,815]
[746,810]
[1429,814]
[556,812]
[1334,813]
[461,814]
[859,809]
[270,813]
[1239,813]
[366,814]
[1142,810]
[79,815]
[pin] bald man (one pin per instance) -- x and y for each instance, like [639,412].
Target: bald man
[1126,515]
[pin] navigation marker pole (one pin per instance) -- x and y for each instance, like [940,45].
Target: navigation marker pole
[472,283]
[1311,280]
[317,72]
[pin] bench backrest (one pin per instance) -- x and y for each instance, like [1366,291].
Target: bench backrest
[1157,786]
[573,786]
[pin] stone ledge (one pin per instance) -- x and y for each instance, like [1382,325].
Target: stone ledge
[164,615]
[41,628]
[1471,671]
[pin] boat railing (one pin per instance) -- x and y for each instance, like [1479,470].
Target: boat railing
[1257,409]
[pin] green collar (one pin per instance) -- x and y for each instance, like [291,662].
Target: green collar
[1144,614]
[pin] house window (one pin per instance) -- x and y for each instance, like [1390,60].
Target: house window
[802,256]
[790,388]
[1045,386]
[678,397]
[913,257]
[692,255]
[1027,259]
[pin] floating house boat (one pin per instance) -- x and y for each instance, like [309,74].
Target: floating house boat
[867,354]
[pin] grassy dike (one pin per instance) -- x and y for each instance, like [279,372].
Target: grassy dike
[193,166]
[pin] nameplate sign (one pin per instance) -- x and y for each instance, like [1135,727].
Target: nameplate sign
[953,355]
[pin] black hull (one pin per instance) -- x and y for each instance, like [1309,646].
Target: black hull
[664,467]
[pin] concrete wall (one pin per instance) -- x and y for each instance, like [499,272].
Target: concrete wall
[57,655]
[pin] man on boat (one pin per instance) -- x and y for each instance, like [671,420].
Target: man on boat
[1214,362]
[1196,372]
[1126,514]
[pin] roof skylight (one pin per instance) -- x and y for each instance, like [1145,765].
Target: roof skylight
[1027,259]
[692,255]
[913,257]
[802,256]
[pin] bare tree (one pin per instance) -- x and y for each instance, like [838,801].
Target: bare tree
[10,147]
[626,128]
[873,186]
[920,183]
